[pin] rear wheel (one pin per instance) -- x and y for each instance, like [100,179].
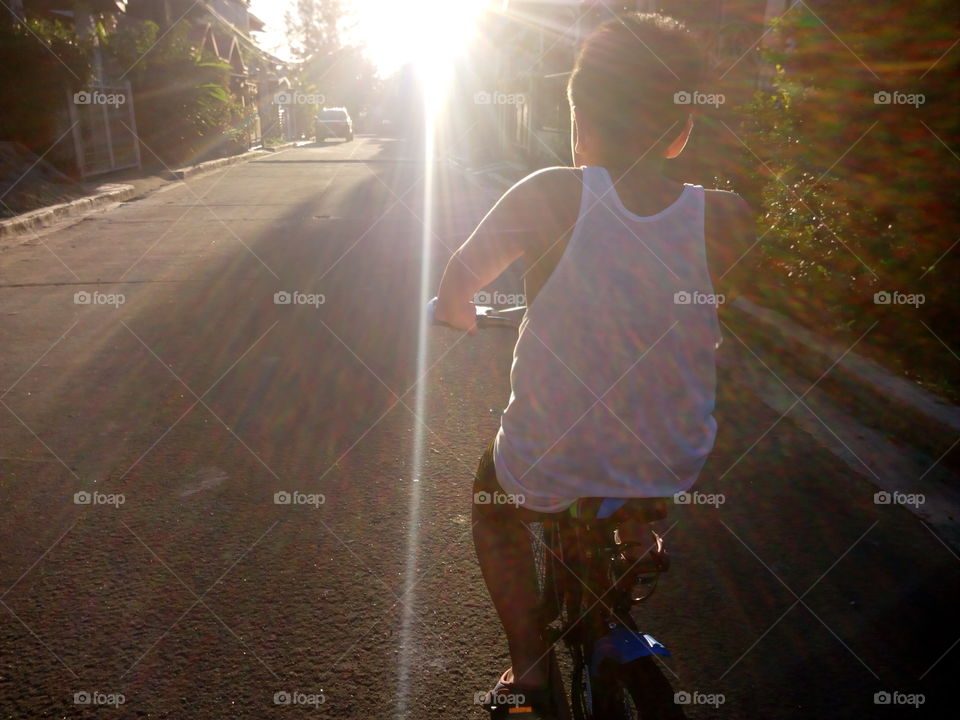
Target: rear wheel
[539,536]
[548,566]
[637,690]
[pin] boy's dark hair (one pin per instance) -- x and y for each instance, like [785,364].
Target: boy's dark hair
[627,74]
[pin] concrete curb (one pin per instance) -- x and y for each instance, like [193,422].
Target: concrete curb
[923,415]
[231,160]
[203,167]
[35,219]
[113,193]
[837,424]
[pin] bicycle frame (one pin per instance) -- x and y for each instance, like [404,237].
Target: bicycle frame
[587,596]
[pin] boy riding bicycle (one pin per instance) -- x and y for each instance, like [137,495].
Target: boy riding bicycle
[613,379]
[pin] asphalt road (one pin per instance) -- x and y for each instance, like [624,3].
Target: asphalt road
[182,398]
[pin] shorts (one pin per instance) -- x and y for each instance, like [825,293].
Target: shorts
[486,484]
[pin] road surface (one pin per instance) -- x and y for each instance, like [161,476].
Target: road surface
[189,406]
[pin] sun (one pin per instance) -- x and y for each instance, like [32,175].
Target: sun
[428,33]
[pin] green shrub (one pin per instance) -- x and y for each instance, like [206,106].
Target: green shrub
[42,63]
[185,110]
[858,197]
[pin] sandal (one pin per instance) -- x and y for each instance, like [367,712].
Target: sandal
[508,701]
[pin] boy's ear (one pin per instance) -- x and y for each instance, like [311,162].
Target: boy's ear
[680,142]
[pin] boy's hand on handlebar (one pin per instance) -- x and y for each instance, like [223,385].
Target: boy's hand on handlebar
[462,316]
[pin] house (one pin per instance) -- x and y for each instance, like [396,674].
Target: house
[221,29]
[272,78]
[104,135]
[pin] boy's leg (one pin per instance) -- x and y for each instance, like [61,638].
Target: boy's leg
[503,547]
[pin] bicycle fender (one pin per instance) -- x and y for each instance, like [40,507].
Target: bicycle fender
[622,645]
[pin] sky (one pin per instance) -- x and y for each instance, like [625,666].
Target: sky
[396,31]
[273,40]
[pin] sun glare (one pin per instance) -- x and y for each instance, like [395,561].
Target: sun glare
[428,33]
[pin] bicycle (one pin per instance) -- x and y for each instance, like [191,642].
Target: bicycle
[588,580]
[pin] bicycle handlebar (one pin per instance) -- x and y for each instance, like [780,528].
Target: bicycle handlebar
[487,316]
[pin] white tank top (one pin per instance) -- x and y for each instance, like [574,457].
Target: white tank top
[613,378]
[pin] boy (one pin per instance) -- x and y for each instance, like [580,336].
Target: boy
[613,378]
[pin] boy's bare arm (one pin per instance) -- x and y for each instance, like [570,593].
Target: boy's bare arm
[513,228]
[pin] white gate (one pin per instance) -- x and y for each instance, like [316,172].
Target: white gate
[104,129]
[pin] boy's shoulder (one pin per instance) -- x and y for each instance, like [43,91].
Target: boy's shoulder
[550,183]
[544,198]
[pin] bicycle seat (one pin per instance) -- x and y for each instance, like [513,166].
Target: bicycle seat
[617,510]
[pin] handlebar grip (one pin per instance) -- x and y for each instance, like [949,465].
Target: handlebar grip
[432,315]
[486,316]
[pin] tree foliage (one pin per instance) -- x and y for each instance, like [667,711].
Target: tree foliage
[43,62]
[341,74]
[855,151]
[185,109]
[313,27]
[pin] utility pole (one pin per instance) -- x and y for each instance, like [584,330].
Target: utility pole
[85,25]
